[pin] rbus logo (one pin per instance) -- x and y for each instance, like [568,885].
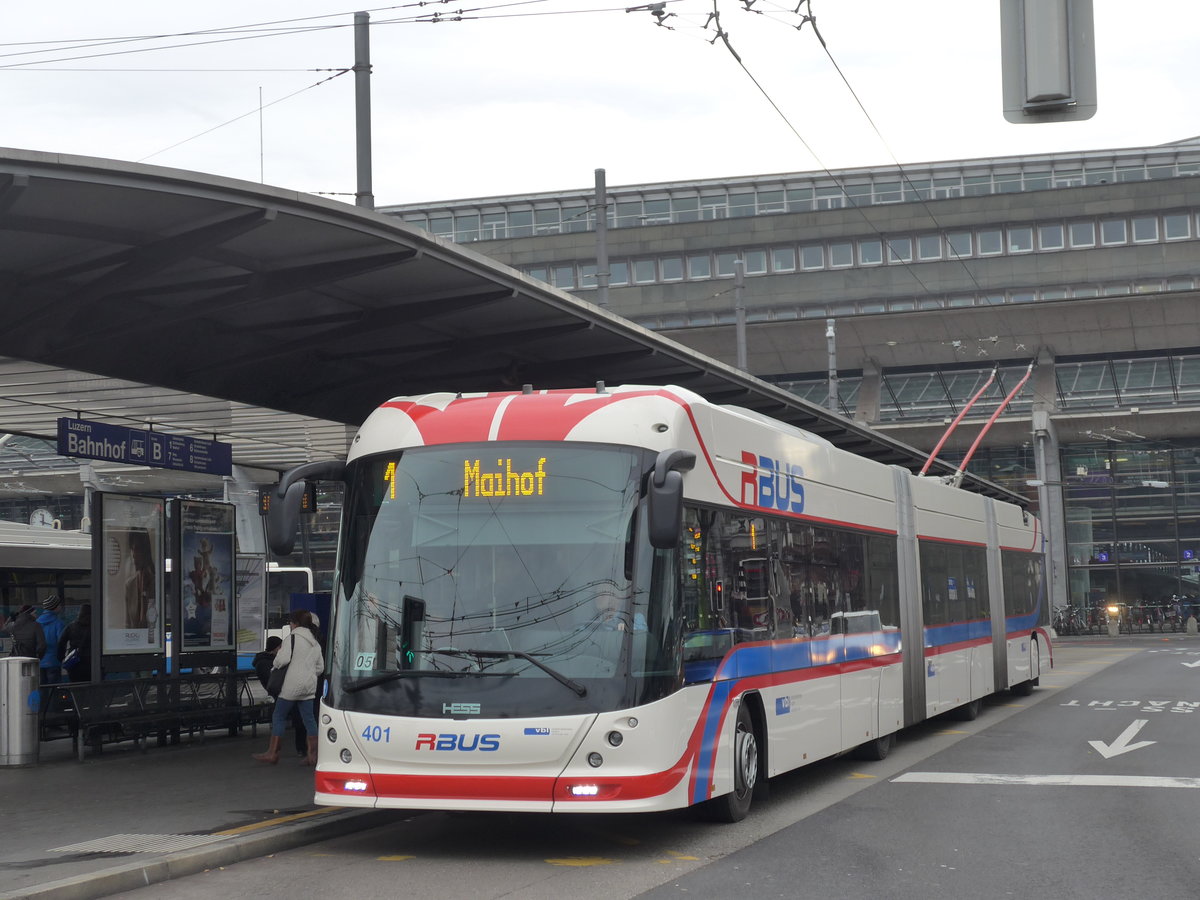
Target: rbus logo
[777,486]
[483,742]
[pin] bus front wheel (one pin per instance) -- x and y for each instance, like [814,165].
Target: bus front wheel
[734,806]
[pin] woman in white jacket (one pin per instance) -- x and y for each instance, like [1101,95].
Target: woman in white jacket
[301,653]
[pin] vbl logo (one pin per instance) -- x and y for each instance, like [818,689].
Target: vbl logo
[483,742]
[778,486]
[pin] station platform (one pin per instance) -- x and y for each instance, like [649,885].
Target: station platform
[126,818]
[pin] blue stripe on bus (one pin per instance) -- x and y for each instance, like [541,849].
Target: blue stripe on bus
[751,660]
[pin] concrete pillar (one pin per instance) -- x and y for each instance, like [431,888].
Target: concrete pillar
[1049,471]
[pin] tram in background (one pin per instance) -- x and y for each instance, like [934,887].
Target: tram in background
[37,561]
[631,599]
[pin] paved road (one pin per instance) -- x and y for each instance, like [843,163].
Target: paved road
[955,811]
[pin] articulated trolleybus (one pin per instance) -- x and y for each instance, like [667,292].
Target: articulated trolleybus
[630,599]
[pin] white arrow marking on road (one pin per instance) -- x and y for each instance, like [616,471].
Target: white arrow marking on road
[1191,665]
[1121,744]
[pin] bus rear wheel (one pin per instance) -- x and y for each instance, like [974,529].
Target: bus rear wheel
[735,806]
[1025,688]
[875,750]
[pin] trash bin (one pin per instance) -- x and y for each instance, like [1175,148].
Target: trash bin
[19,701]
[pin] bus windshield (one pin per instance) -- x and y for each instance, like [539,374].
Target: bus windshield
[505,579]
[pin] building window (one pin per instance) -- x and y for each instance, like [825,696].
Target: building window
[799,199]
[1083,234]
[887,192]
[1020,240]
[587,276]
[899,250]
[685,209]
[656,212]
[725,263]
[870,252]
[713,206]
[771,202]
[841,254]
[783,259]
[741,205]
[564,277]
[546,221]
[466,227]
[643,271]
[991,241]
[699,266]
[672,268]
[756,262]
[958,244]
[1051,237]
[929,246]
[1145,229]
[1175,227]
[1112,231]
[812,258]
[520,223]
[618,273]
[495,225]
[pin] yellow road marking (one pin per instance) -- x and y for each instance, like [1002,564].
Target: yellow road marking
[277,821]
[581,861]
[399,858]
[860,775]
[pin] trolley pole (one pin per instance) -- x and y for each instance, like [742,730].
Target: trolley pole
[364,196]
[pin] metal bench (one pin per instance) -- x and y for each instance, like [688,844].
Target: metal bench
[134,709]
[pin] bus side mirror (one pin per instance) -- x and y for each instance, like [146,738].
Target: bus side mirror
[283,514]
[664,491]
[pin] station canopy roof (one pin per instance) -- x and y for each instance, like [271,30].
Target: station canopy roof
[276,321]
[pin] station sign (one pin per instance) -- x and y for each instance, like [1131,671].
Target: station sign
[140,447]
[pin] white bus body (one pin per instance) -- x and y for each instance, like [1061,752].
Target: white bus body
[816,603]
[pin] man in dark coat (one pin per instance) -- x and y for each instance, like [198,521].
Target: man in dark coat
[28,637]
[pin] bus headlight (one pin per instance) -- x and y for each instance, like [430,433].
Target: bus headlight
[346,756]
[595,760]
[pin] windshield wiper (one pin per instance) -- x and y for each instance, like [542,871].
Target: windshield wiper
[518,654]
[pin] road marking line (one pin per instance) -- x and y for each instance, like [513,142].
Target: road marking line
[279,821]
[582,861]
[1163,781]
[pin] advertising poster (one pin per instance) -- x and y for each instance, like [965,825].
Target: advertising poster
[251,596]
[206,553]
[131,553]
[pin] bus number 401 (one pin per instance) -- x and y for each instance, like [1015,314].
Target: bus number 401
[377,734]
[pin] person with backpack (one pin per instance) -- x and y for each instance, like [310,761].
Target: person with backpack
[52,629]
[77,638]
[28,637]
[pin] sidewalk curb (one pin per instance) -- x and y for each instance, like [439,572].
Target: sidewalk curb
[134,875]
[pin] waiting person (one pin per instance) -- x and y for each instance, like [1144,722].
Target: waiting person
[28,638]
[78,636]
[264,659]
[52,629]
[302,655]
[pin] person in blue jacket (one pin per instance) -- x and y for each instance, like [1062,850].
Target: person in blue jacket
[52,625]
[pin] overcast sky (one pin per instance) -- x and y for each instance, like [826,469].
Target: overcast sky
[534,96]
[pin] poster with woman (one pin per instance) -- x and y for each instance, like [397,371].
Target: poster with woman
[131,553]
[206,552]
